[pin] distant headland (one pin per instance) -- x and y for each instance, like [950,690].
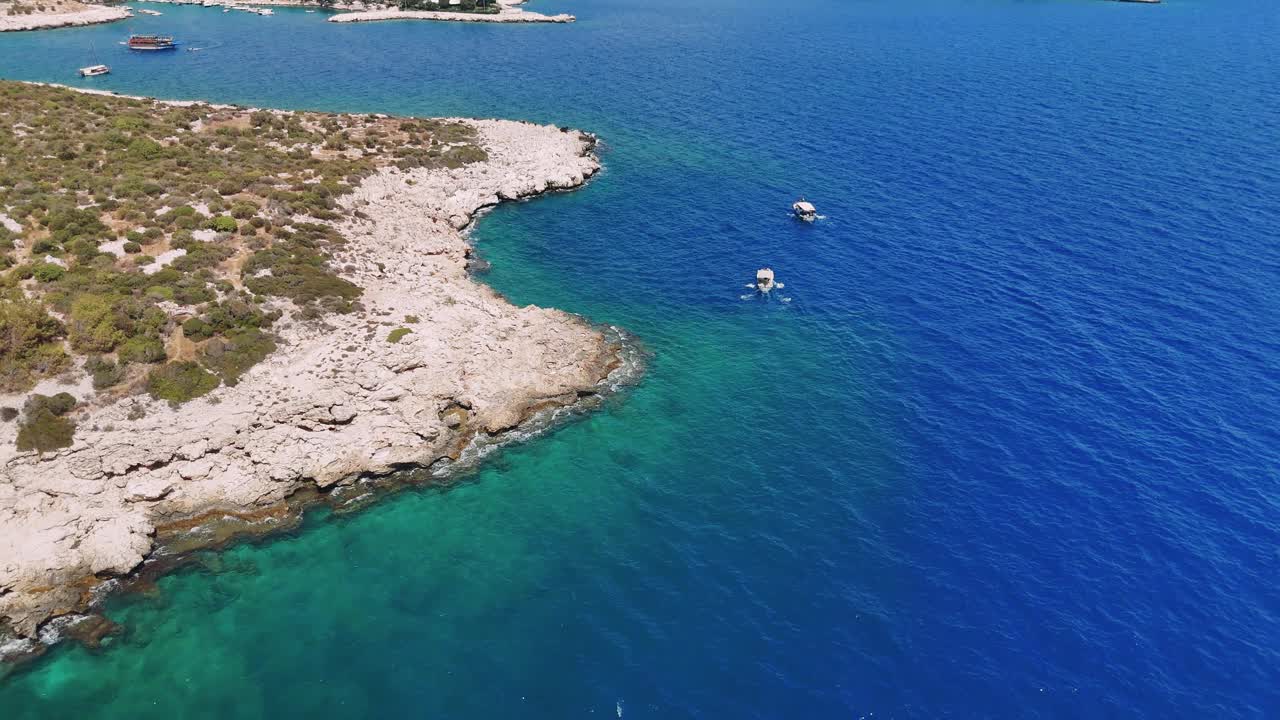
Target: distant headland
[18,16]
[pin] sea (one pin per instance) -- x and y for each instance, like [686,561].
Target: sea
[1006,443]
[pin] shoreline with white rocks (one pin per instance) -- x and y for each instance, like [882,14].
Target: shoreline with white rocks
[338,411]
[508,14]
[90,15]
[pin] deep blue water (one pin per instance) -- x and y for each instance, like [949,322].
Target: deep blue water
[1011,449]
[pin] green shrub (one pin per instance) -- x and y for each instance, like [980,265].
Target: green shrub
[83,249]
[243,210]
[132,247]
[144,149]
[398,334]
[191,291]
[59,404]
[104,372]
[159,292]
[43,427]
[92,325]
[48,272]
[69,223]
[222,223]
[44,432]
[46,246]
[29,344]
[241,350]
[298,272]
[179,382]
[200,255]
[197,329]
[142,349]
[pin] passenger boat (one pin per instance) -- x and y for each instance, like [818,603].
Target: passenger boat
[94,70]
[804,210]
[151,42]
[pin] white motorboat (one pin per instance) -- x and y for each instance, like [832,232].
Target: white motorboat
[764,280]
[804,210]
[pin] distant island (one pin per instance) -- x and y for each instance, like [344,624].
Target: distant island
[216,316]
[505,11]
[16,15]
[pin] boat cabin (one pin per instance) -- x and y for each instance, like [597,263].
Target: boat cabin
[804,210]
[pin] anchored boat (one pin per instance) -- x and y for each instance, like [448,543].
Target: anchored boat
[804,210]
[96,68]
[764,280]
[151,42]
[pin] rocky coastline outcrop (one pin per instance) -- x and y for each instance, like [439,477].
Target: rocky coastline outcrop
[63,15]
[432,365]
[508,14]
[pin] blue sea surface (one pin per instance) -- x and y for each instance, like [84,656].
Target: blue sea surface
[1006,445]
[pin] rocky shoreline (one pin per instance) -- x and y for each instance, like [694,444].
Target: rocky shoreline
[509,14]
[89,15]
[431,373]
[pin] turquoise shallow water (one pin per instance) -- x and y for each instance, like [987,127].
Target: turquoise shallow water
[1010,450]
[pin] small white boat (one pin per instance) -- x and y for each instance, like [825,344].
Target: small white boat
[764,280]
[266,11]
[148,12]
[804,210]
[93,70]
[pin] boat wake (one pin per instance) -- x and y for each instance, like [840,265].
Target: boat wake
[765,295]
[810,221]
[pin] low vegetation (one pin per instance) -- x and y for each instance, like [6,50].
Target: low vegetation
[153,247]
[466,6]
[36,7]
[44,426]
[179,382]
[30,343]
